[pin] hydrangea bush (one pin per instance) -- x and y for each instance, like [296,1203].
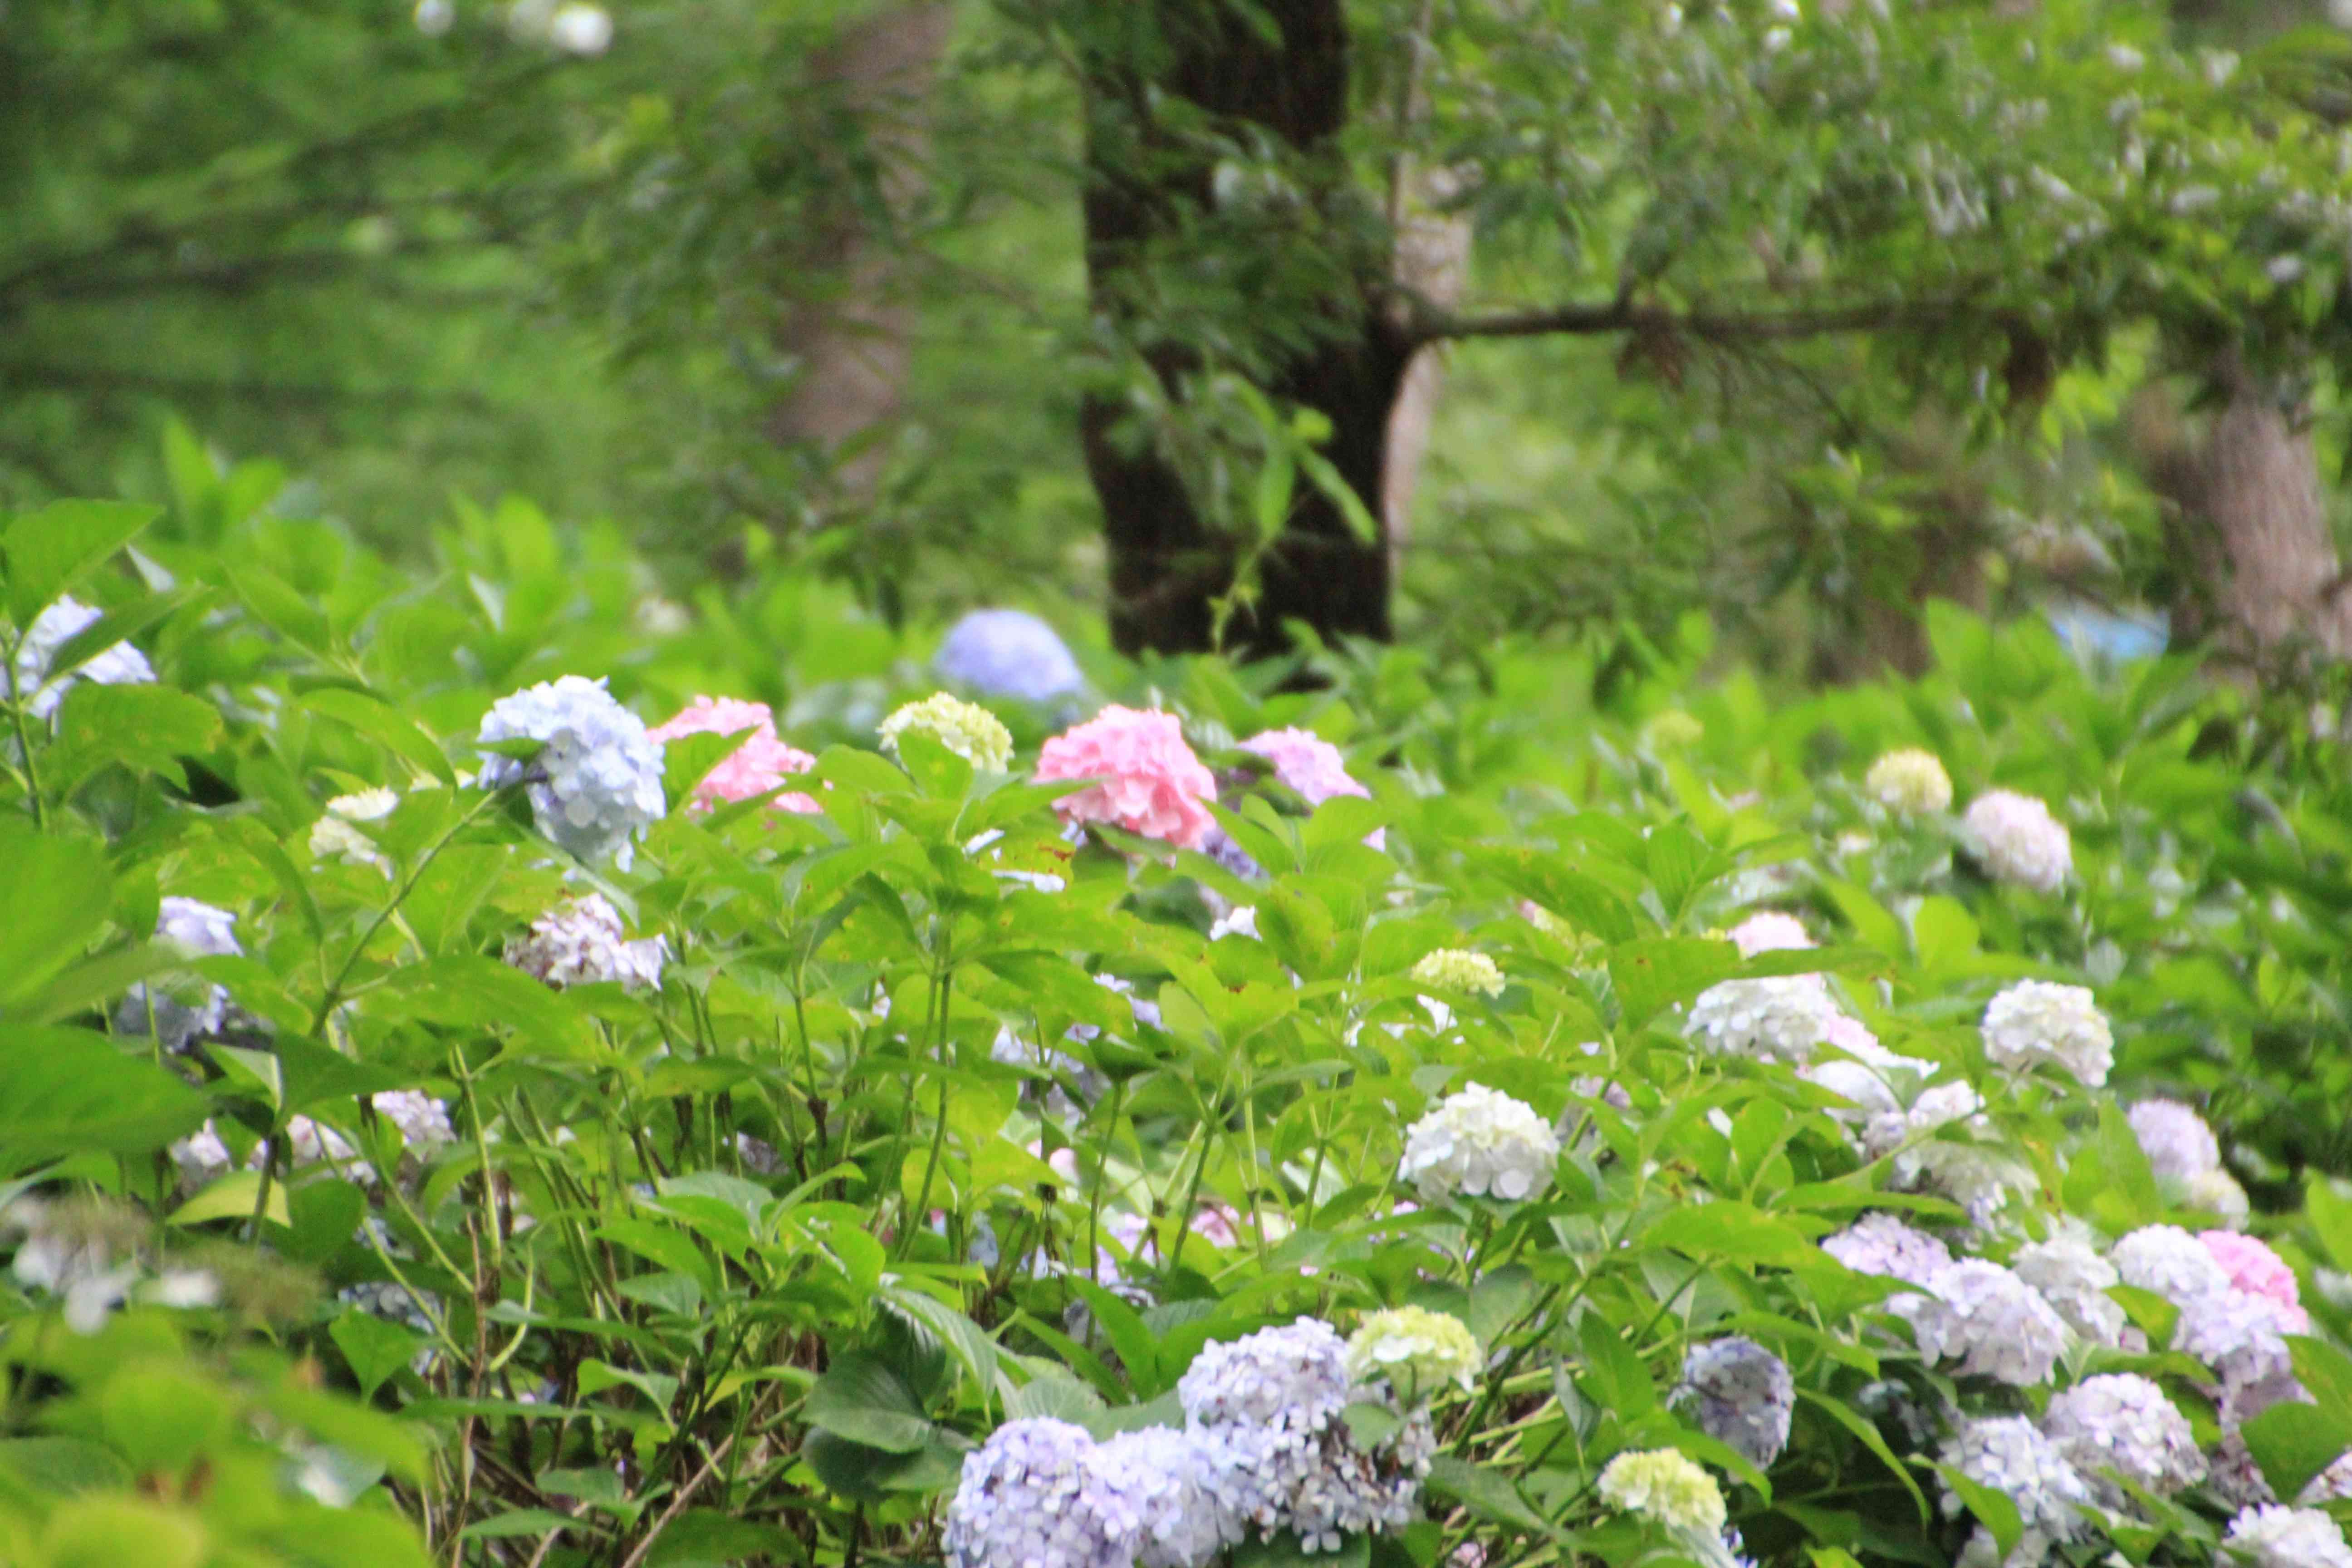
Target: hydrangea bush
[446,1120]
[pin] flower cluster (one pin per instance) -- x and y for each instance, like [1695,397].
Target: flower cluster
[1413,1349]
[1150,780]
[190,1011]
[1007,653]
[1780,1018]
[1041,1490]
[1992,1322]
[1668,1490]
[2121,1424]
[1479,1143]
[971,732]
[1742,1395]
[1770,930]
[2008,1455]
[2015,839]
[1910,780]
[1458,969]
[1306,763]
[337,835]
[580,941]
[2037,1021]
[757,765]
[34,681]
[2268,1536]
[596,781]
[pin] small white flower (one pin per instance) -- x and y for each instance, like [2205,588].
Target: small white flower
[2037,1021]
[336,835]
[435,17]
[583,31]
[2015,839]
[1479,1142]
[1239,920]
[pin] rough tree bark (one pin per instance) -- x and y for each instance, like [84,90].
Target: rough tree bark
[1167,563]
[852,339]
[2258,572]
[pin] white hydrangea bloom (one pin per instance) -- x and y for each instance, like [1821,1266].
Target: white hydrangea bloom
[336,835]
[2169,1261]
[2217,1191]
[1910,780]
[1458,969]
[2238,1334]
[2176,1140]
[1868,1074]
[968,730]
[1414,1350]
[1480,1143]
[423,1120]
[187,1010]
[1768,931]
[1040,1491]
[1172,1476]
[2037,1021]
[2276,1537]
[596,784]
[1741,1395]
[2016,839]
[2073,1278]
[579,941]
[580,30]
[2122,1423]
[1977,1175]
[2006,1454]
[1780,1018]
[1990,1321]
[42,689]
[2331,1485]
[1239,920]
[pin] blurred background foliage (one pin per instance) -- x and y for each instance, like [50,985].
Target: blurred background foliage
[766,282]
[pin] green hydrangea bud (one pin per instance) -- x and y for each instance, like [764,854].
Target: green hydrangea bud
[1458,969]
[971,732]
[1415,1350]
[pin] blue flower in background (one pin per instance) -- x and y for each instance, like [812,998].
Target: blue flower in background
[2089,632]
[1008,653]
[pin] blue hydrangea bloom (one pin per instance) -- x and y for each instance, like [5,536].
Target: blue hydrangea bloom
[1008,653]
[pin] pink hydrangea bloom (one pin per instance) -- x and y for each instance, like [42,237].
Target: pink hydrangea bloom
[1312,765]
[2254,1268]
[1768,931]
[1151,782]
[757,765]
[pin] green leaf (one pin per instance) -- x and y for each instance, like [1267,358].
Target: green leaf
[1727,1229]
[523,1521]
[377,720]
[1945,935]
[866,1400]
[1651,973]
[146,728]
[275,604]
[66,879]
[1489,1494]
[232,1196]
[375,1348]
[49,551]
[1993,1510]
[2330,1213]
[2294,1442]
[1867,1435]
[66,1091]
[62,1467]
[109,1530]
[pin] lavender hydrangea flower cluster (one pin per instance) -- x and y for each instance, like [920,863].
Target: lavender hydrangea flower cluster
[185,1012]
[596,782]
[1742,1395]
[34,681]
[1008,653]
[1264,1446]
[2121,1425]
[580,941]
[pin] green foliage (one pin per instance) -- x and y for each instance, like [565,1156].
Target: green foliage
[740,1267]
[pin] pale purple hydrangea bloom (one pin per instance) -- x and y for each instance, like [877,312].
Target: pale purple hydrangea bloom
[597,785]
[2121,1422]
[2073,1278]
[580,941]
[2170,1262]
[1174,1477]
[1008,653]
[1992,1322]
[1882,1244]
[2239,1335]
[190,930]
[2006,1454]
[2176,1140]
[1040,1491]
[2276,1537]
[42,687]
[1742,1395]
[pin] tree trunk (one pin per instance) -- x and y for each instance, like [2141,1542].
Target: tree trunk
[852,339]
[2258,571]
[1168,563]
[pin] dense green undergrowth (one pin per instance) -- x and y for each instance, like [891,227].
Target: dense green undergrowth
[419,1213]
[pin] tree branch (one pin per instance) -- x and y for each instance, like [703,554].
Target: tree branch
[1622,315]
